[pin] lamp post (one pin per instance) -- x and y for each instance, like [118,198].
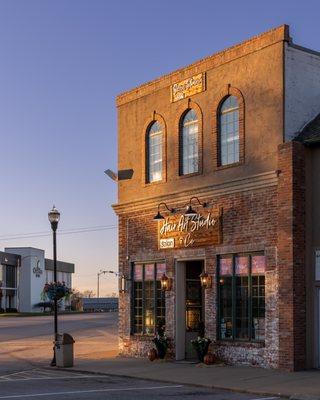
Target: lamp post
[54,217]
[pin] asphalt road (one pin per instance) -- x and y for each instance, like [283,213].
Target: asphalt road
[26,351]
[26,342]
[38,383]
[80,325]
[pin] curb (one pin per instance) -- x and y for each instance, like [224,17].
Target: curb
[304,397]
[233,390]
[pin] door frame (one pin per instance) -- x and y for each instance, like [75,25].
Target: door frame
[180,304]
[317,327]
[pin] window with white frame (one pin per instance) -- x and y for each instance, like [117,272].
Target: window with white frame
[229,131]
[154,153]
[189,143]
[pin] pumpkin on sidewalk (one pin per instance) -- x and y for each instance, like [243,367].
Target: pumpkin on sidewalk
[209,359]
[152,354]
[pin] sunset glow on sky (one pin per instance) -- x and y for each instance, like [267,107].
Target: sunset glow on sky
[62,65]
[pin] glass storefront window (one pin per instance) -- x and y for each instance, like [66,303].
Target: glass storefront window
[242,297]
[148,298]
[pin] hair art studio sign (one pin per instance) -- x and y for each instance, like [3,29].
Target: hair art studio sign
[188,87]
[180,231]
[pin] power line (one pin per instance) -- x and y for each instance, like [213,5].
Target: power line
[60,233]
[60,230]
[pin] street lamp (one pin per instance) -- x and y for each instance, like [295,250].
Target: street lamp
[102,272]
[54,217]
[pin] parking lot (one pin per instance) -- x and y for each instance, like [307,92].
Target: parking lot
[35,383]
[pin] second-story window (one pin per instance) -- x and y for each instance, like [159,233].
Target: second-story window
[189,143]
[154,153]
[229,131]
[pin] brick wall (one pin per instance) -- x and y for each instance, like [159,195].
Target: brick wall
[291,256]
[249,224]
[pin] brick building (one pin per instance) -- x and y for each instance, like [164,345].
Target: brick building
[225,150]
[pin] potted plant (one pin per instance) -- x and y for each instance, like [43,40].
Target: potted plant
[201,344]
[55,291]
[161,341]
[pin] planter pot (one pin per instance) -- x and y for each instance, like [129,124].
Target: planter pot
[201,350]
[162,351]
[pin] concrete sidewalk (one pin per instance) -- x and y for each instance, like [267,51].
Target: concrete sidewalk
[298,385]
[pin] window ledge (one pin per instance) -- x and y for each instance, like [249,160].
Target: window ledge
[143,337]
[146,184]
[184,176]
[237,164]
[240,343]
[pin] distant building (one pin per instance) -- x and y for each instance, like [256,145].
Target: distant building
[94,304]
[23,274]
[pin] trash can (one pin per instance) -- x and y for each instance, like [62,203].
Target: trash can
[64,350]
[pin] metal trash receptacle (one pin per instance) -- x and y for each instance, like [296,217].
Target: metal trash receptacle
[64,350]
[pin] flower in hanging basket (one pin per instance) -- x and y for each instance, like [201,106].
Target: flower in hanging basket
[55,291]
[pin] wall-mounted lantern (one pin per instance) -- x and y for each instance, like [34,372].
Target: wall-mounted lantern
[122,284]
[190,212]
[166,283]
[159,216]
[206,280]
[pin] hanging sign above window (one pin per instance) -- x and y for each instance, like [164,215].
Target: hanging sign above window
[180,231]
[188,87]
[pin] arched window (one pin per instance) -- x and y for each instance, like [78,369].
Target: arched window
[229,131]
[189,143]
[154,153]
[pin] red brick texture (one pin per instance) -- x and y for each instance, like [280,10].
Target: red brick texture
[270,219]
[249,224]
[291,256]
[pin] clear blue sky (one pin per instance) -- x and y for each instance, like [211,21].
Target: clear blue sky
[62,62]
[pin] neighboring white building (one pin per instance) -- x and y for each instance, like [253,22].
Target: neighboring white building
[23,274]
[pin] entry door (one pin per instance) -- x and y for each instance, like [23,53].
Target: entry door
[318,330]
[193,305]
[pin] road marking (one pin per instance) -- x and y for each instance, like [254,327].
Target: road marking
[39,374]
[48,378]
[267,398]
[15,373]
[21,396]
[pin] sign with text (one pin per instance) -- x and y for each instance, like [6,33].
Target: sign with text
[188,87]
[180,231]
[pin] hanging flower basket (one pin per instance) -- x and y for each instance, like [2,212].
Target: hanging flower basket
[55,291]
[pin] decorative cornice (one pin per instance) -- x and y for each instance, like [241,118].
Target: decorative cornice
[256,43]
[252,182]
